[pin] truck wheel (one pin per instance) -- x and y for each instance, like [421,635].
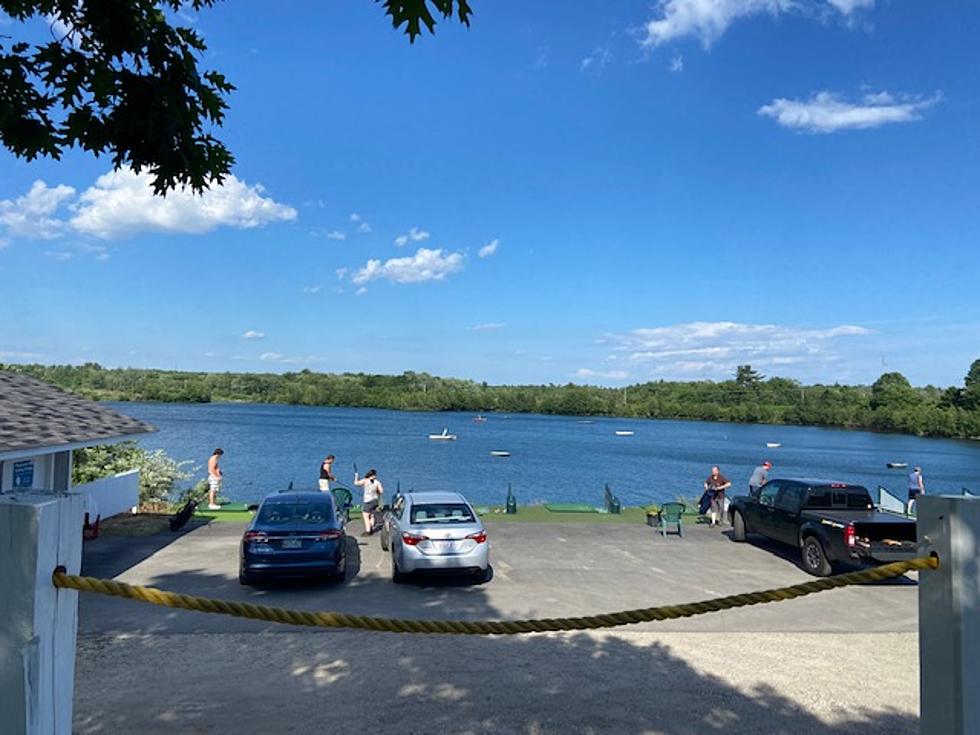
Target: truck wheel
[814,559]
[738,527]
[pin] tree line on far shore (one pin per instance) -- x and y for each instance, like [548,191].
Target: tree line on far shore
[890,404]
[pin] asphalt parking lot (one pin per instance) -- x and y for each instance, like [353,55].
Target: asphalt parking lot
[837,662]
[540,570]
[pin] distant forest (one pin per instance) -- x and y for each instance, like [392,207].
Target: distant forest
[890,404]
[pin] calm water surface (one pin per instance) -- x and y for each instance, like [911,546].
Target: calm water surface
[554,458]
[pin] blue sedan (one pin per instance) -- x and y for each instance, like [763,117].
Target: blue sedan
[294,534]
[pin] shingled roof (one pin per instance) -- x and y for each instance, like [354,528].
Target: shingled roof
[36,415]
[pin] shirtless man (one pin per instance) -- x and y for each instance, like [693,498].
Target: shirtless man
[214,479]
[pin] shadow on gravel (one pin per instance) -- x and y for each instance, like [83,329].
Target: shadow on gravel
[792,555]
[290,679]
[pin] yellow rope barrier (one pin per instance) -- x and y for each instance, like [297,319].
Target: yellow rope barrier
[480,627]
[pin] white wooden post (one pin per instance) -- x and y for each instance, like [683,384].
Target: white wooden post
[38,623]
[949,615]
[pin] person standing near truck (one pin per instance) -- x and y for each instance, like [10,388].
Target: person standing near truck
[717,484]
[917,487]
[759,476]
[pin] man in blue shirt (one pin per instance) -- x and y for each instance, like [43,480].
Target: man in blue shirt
[917,487]
[759,476]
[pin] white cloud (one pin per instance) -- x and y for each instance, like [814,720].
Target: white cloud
[342,273]
[59,256]
[599,57]
[361,291]
[122,203]
[355,217]
[252,334]
[413,235]
[34,214]
[278,357]
[603,374]
[714,349]
[336,235]
[709,19]
[271,356]
[489,249]
[488,327]
[364,227]
[425,265]
[825,112]
[677,64]
[312,289]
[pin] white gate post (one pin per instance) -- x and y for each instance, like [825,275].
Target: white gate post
[38,623]
[949,615]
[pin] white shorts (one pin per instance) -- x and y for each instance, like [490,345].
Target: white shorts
[214,483]
[325,486]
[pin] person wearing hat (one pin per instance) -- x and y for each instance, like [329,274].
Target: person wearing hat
[917,487]
[759,476]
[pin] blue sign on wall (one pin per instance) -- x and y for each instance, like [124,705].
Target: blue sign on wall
[24,473]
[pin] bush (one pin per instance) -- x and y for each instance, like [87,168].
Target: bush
[159,473]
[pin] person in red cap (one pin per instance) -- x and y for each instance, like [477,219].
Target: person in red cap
[759,476]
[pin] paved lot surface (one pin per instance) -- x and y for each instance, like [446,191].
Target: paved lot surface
[540,570]
[841,661]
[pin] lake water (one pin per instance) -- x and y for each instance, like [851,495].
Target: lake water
[553,458]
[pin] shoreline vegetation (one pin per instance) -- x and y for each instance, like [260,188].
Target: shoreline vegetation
[890,404]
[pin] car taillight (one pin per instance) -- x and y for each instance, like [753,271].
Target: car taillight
[480,536]
[257,536]
[849,537]
[331,535]
[413,539]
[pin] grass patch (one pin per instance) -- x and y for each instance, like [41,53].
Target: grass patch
[224,516]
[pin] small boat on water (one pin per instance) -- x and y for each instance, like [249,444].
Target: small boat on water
[896,465]
[499,453]
[773,445]
[480,419]
[624,433]
[444,436]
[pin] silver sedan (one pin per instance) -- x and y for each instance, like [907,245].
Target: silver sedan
[435,531]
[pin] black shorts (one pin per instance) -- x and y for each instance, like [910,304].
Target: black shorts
[913,493]
[370,506]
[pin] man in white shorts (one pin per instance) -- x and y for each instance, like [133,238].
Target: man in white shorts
[214,479]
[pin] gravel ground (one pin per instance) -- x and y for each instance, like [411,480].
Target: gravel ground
[611,682]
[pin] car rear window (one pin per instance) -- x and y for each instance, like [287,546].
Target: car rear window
[278,514]
[852,497]
[442,513]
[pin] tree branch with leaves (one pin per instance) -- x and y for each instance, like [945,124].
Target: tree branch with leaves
[121,78]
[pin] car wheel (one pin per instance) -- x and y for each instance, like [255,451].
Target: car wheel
[397,576]
[483,575]
[384,539]
[244,578]
[814,559]
[738,527]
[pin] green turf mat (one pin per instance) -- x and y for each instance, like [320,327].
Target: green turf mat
[570,508]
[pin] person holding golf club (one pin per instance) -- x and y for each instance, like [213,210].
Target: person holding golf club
[373,490]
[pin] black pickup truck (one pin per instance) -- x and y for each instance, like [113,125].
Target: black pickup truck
[830,522]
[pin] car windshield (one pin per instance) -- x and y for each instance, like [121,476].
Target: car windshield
[442,513]
[278,514]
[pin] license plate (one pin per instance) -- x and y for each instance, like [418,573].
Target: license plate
[292,543]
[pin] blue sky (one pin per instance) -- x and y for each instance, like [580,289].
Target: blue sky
[598,193]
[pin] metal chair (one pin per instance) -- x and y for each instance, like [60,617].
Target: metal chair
[672,513]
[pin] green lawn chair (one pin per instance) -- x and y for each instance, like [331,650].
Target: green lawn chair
[343,499]
[672,513]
